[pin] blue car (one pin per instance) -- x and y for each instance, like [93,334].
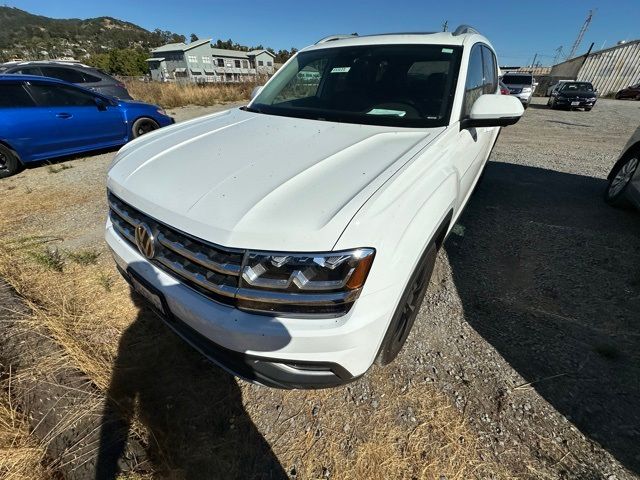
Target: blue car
[43,118]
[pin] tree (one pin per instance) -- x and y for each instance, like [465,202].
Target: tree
[194,38]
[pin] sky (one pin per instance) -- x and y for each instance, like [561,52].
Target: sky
[517,30]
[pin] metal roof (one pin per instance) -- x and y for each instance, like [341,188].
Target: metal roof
[181,47]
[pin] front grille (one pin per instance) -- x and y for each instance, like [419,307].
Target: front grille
[210,269]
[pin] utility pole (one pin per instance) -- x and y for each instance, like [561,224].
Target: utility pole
[583,30]
[445,26]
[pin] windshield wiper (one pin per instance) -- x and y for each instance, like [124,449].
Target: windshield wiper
[251,109]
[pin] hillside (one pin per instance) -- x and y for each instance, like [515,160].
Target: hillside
[27,36]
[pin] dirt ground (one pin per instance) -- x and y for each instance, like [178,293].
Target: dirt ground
[524,357]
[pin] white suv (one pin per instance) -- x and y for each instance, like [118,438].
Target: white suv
[291,241]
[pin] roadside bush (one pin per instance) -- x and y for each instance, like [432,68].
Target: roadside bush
[171,95]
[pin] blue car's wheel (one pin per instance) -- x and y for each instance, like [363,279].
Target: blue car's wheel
[143,125]
[9,162]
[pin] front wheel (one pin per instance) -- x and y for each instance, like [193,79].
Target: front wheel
[143,125]
[9,162]
[620,179]
[408,308]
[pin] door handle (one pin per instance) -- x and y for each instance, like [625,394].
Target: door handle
[63,115]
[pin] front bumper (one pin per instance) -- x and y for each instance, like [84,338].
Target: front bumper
[569,102]
[272,351]
[525,98]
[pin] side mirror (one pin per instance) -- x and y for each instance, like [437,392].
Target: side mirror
[535,84]
[256,91]
[100,103]
[492,110]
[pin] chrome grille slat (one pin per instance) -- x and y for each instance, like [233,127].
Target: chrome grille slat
[197,278]
[123,215]
[199,257]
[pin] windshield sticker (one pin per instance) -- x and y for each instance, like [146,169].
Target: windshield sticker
[340,69]
[447,50]
[384,111]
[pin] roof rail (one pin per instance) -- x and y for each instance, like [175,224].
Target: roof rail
[462,29]
[332,38]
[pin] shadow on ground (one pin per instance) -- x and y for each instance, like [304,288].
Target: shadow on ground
[193,411]
[550,276]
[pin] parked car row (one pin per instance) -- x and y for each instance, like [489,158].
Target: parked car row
[43,118]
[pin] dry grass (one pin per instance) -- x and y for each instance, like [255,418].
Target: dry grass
[171,95]
[21,455]
[85,306]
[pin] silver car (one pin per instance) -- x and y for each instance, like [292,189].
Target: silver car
[521,85]
[624,179]
[72,72]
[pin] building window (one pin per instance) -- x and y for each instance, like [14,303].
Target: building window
[260,63]
[269,64]
[237,63]
[245,64]
[206,60]
[193,59]
[221,62]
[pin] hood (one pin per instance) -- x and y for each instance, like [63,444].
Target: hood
[251,180]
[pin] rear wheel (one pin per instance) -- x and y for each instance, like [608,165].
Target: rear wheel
[620,179]
[143,125]
[9,162]
[408,308]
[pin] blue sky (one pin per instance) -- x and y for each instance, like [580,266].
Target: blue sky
[517,30]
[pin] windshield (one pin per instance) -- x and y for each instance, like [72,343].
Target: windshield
[577,87]
[517,79]
[399,85]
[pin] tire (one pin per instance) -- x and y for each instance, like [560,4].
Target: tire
[587,109]
[620,178]
[143,125]
[525,105]
[407,309]
[9,162]
[618,96]
[552,103]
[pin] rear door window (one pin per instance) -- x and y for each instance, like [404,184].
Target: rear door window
[14,95]
[88,78]
[49,95]
[67,74]
[29,71]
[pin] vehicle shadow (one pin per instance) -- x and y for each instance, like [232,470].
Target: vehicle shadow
[192,411]
[549,275]
[539,106]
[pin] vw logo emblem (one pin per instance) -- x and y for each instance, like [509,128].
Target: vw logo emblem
[145,240]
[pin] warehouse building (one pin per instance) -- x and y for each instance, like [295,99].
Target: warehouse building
[609,70]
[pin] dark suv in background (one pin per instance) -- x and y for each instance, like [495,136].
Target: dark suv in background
[72,72]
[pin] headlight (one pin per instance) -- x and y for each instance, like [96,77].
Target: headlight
[526,90]
[315,283]
[161,111]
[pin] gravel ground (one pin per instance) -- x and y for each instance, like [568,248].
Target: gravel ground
[532,320]
[530,324]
